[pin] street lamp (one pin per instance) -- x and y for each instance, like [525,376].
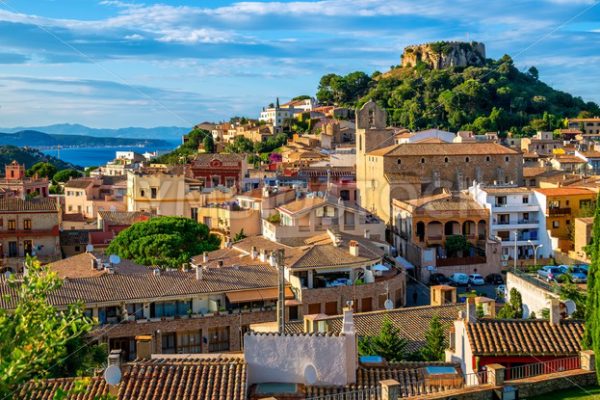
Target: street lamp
[535,249]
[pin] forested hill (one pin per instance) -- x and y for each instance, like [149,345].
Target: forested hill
[41,139]
[29,156]
[493,97]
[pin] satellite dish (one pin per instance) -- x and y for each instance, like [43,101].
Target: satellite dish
[388,305]
[114,259]
[112,375]
[7,275]
[430,268]
[571,306]
[89,248]
[310,375]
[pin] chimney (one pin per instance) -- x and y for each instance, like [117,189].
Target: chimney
[554,311]
[350,345]
[114,358]
[471,310]
[220,264]
[262,255]
[354,249]
[253,253]
[156,272]
[199,273]
[205,257]
[144,346]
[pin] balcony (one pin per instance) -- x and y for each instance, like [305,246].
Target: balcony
[554,211]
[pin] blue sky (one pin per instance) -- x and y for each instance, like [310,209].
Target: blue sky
[109,63]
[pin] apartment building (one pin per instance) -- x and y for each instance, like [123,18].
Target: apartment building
[16,183]
[278,117]
[29,227]
[387,171]
[266,199]
[543,144]
[324,271]
[181,311]
[313,214]
[589,126]
[87,196]
[212,170]
[422,227]
[561,205]
[515,218]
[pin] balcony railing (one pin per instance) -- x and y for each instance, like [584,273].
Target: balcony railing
[559,211]
[543,368]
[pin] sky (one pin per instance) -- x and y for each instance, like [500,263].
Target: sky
[113,63]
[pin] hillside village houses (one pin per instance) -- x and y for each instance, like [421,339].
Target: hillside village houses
[321,242]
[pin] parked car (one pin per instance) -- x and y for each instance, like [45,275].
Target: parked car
[576,274]
[439,279]
[494,279]
[476,279]
[550,273]
[584,267]
[459,279]
[501,291]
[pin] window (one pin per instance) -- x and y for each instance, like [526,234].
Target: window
[525,199]
[12,224]
[399,161]
[567,203]
[467,159]
[194,211]
[568,222]
[555,224]
[136,310]
[293,313]
[582,204]
[153,192]
[487,158]
[142,193]
[422,161]
[506,159]
[168,343]
[218,339]
[189,342]
[445,159]
[27,224]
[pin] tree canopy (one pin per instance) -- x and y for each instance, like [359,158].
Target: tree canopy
[166,242]
[65,174]
[180,155]
[42,169]
[36,339]
[514,308]
[591,339]
[435,344]
[492,97]
[387,344]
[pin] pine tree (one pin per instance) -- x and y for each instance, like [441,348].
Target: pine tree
[387,344]
[435,345]
[591,339]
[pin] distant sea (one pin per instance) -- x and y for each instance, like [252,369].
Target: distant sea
[95,156]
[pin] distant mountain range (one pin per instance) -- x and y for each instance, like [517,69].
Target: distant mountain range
[34,138]
[170,133]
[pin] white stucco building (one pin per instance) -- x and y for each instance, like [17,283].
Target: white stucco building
[515,210]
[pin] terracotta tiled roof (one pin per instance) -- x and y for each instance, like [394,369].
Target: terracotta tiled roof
[498,190]
[124,217]
[136,282]
[16,204]
[73,217]
[79,183]
[442,149]
[564,191]
[412,322]
[205,159]
[176,379]
[525,337]
[591,154]
[304,204]
[410,375]
[567,159]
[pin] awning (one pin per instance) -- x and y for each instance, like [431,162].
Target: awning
[247,296]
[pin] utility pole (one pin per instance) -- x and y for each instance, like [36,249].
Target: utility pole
[279,257]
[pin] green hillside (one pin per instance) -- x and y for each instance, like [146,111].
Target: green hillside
[493,97]
[29,156]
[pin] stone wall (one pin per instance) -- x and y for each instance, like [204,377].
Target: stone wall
[535,296]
